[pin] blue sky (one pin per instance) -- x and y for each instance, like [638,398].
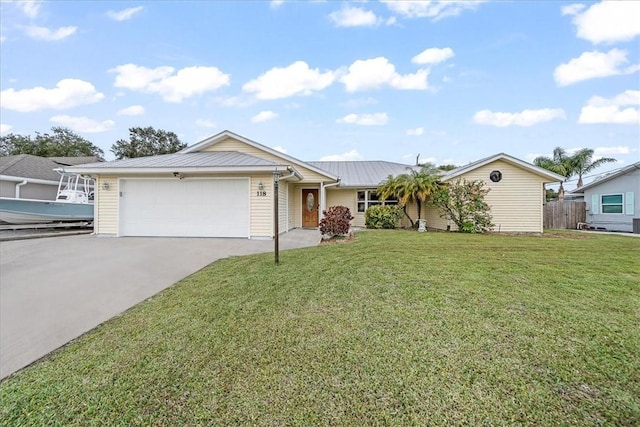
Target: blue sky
[452,81]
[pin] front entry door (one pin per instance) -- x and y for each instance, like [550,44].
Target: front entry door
[309,208]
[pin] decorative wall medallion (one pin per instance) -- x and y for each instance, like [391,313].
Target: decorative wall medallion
[311,202]
[495,176]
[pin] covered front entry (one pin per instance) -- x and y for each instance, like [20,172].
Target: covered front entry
[310,204]
[184,207]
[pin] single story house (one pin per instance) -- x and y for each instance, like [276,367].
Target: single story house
[613,201]
[223,187]
[25,176]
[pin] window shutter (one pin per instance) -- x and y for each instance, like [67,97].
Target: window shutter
[629,203]
[594,204]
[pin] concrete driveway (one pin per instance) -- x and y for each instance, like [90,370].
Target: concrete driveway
[55,289]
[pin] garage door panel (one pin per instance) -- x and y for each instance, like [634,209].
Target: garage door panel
[187,207]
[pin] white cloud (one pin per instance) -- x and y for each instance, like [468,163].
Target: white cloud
[5,128]
[433,55]
[276,3]
[374,73]
[434,9]
[3,39]
[264,116]
[67,93]
[280,149]
[609,22]
[609,151]
[572,9]
[296,79]
[30,7]
[44,33]
[621,109]
[185,83]
[354,17]
[348,156]
[591,65]
[525,118]
[206,123]
[375,119]
[134,110]
[124,14]
[83,124]
[415,132]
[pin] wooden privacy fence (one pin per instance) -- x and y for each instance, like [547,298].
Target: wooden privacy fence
[565,214]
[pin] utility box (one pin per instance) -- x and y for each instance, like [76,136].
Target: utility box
[636,225]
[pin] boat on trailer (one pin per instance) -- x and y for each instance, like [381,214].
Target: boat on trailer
[74,202]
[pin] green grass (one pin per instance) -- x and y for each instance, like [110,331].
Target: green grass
[394,328]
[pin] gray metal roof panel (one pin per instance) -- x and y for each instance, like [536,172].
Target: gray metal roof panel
[362,173]
[185,160]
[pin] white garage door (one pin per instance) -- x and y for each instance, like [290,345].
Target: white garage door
[185,207]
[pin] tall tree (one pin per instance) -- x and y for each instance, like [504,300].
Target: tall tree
[414,186]
[463,202]
[62,142]
[560,163]
[147,142]
[583,163]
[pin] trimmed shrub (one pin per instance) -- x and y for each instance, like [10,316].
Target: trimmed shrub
[379,216]
[336,221]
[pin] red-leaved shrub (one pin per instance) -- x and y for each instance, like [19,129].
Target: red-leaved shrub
[336,221]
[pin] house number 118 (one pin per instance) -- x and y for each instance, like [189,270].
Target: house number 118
[261,193]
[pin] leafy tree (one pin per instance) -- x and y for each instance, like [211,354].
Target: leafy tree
[414,186]
[463,203]
[447,168]
[583,163]
[147,142]
[62,142]
[550,194]
[560,163]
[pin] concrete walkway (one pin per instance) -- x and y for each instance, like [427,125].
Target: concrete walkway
[53,290]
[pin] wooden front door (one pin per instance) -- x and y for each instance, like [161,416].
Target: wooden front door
[310,208]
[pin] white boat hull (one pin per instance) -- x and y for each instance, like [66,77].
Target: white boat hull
[27,211]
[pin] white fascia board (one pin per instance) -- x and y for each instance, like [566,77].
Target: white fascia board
[29,180]
[151,170]
[212,140]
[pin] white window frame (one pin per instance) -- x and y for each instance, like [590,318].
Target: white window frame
[621,204]
[368,201]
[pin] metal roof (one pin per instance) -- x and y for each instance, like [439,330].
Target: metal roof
[183,160]
[362,173]
[613,174]
[29,166]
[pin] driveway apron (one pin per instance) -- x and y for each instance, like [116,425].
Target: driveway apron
[53,290]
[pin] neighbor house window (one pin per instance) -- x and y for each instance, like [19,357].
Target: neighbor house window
[612,204]
[368,198]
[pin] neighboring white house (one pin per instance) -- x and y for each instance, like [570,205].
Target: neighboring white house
[224,186]
[613,201]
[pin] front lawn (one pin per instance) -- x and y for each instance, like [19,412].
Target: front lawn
[394,328]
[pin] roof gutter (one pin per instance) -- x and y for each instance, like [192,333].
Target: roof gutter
[18,185]
[178,169]
[29,180]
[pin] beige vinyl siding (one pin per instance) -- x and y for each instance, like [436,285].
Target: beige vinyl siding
[231,144]
[282,206]
[291,206]
[106,210]
[516,201]
[261,207]
[346,197]
[432,215]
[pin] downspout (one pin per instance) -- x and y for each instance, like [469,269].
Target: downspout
[323,194]
[18,185]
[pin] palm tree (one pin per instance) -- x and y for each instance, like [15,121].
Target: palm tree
[561,163]
[583,163]
[414,186]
